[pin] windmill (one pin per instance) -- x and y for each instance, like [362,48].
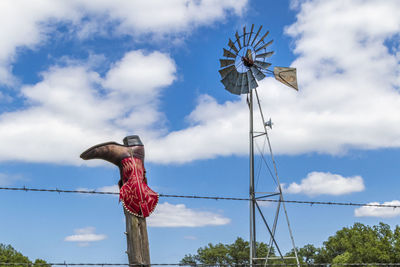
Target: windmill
[243,65]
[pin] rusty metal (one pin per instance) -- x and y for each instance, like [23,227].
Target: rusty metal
[255,37]
[232,46]
[226,62]
[286,76]
[238,40]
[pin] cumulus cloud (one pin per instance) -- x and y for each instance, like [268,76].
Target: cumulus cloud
[322,183]
[170,215]
[29,24]
[73,107]
[368,211]
[84,236]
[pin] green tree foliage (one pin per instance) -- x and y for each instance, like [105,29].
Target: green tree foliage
[357,244]
[221,254]
[9,255]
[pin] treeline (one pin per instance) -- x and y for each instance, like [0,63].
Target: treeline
[9,255]
[356,244]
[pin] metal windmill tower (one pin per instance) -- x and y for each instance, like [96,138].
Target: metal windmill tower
[244,64]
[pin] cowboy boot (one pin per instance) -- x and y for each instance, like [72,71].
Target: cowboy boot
[135,194]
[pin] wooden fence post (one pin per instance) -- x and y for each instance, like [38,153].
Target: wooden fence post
[137,240]
[136,237]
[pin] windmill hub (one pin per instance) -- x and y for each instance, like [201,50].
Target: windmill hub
[247,62]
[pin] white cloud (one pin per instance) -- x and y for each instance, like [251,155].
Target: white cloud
[170,215]
[85,235]
[367,211]
[72,108]
[7,179]
[29,24]
[325,183]
[109,188]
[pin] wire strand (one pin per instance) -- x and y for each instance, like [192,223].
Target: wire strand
[195,264]
[26,189]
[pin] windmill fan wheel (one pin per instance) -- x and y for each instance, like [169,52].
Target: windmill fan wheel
[244,61]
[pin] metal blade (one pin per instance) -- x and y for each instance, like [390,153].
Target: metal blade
[229,54]
[251,33]
[257,73]
[287,76]
[264,46]
[268,54]
[232,46]
[230,80]
[262,64]
[244,36]
[238,40]
[225,71]
[226,62]
[262,39]
[255,37]
[244,88]
[238,84]
[252,81]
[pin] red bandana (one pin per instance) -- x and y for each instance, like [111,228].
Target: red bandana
[135,194]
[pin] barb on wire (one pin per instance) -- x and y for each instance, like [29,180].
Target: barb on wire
[208,197]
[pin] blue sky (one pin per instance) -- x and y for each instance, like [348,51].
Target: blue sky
[77,73]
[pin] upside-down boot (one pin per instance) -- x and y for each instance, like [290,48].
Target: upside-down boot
[135,194]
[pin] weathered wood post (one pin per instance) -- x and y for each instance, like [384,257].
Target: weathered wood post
[136,234]
[138,199]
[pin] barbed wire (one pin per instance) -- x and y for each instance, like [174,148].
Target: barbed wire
[196,264]
[56,190]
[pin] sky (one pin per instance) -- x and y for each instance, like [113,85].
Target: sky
[77,73]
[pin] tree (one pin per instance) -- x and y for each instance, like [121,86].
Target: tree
[9,255]
[356,244]
[231,254]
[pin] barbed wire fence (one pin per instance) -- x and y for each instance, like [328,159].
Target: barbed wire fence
[56,190]
[198,265]
[94,192]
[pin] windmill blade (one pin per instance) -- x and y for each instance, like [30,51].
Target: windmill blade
[238,40]
[227,70]
[244,36]
[251,80]
[229,54]
[226,62]
[257,73]
[287,76]
[251,33]
[262,39]
[262,64]
[244,88]
[265,46]
[264,55]
[232,46]
[238,84]
[255,37]
[229,81]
